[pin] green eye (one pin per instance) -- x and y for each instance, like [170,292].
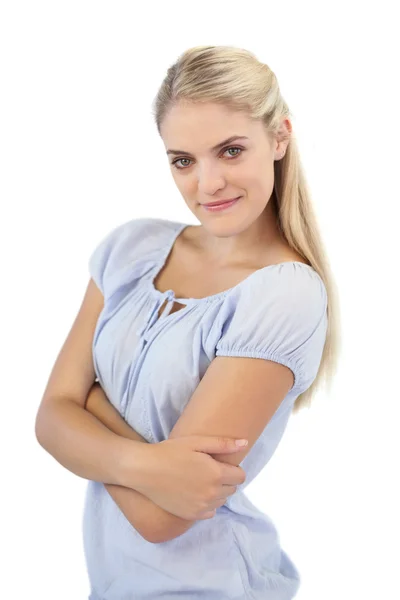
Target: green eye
[241,150]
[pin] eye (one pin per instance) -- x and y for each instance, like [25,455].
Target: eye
[174,163]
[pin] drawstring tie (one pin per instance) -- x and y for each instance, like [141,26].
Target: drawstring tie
[169,295]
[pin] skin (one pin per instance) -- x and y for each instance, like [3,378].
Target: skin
[246,234]
[248,231]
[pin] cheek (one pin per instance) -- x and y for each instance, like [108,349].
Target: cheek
[261,172]
[249,176]
[259,181]
[186,184]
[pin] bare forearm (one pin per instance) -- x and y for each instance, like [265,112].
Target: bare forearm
[99,405]
[149,519]
[152,522]
[86,447]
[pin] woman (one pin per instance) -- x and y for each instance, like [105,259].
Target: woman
[178,318]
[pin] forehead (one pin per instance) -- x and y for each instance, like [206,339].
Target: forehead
[188,118]
[187,123]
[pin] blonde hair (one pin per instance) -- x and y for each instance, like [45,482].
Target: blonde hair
[235,78]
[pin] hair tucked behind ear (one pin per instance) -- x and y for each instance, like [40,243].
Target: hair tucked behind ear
[235,78]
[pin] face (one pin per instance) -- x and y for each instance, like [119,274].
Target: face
[242,167]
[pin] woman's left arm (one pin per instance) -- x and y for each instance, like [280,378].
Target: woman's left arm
[142,513]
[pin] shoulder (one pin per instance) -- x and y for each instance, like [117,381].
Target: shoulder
[142,231]
[125,245]
[287,282]
[278,313]
[142,225]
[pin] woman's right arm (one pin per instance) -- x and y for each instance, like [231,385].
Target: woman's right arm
[74,437]
[98,405]
[86,447]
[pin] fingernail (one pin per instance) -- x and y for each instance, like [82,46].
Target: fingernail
[241,442]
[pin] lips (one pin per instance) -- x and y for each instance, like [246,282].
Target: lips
[221,202]
[219,208]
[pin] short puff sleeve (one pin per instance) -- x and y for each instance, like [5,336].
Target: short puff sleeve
[115,251]
[278,313]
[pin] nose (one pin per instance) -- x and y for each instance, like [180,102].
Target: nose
[210,179]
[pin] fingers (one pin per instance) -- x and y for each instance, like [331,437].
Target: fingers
[228,490]
[231,475]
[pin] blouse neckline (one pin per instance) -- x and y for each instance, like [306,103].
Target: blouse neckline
[171,294]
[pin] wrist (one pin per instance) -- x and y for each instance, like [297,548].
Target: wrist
[133,464]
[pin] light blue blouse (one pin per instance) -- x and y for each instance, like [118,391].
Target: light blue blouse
[149,368]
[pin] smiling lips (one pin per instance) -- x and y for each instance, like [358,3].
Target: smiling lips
[217,206]
[219,202]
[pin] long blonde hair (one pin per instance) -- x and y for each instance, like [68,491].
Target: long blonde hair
[235,78]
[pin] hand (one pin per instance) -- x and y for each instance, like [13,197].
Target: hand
[185,481]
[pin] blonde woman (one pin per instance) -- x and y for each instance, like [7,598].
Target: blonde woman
[197,335]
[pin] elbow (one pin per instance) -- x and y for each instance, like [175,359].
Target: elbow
[152,540]
[40,429]
[158,535]
[170,533]
[154,537]
[44,425]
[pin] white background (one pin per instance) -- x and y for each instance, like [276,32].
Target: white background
[80,154]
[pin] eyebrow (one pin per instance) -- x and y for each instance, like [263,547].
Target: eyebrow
[228,141]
